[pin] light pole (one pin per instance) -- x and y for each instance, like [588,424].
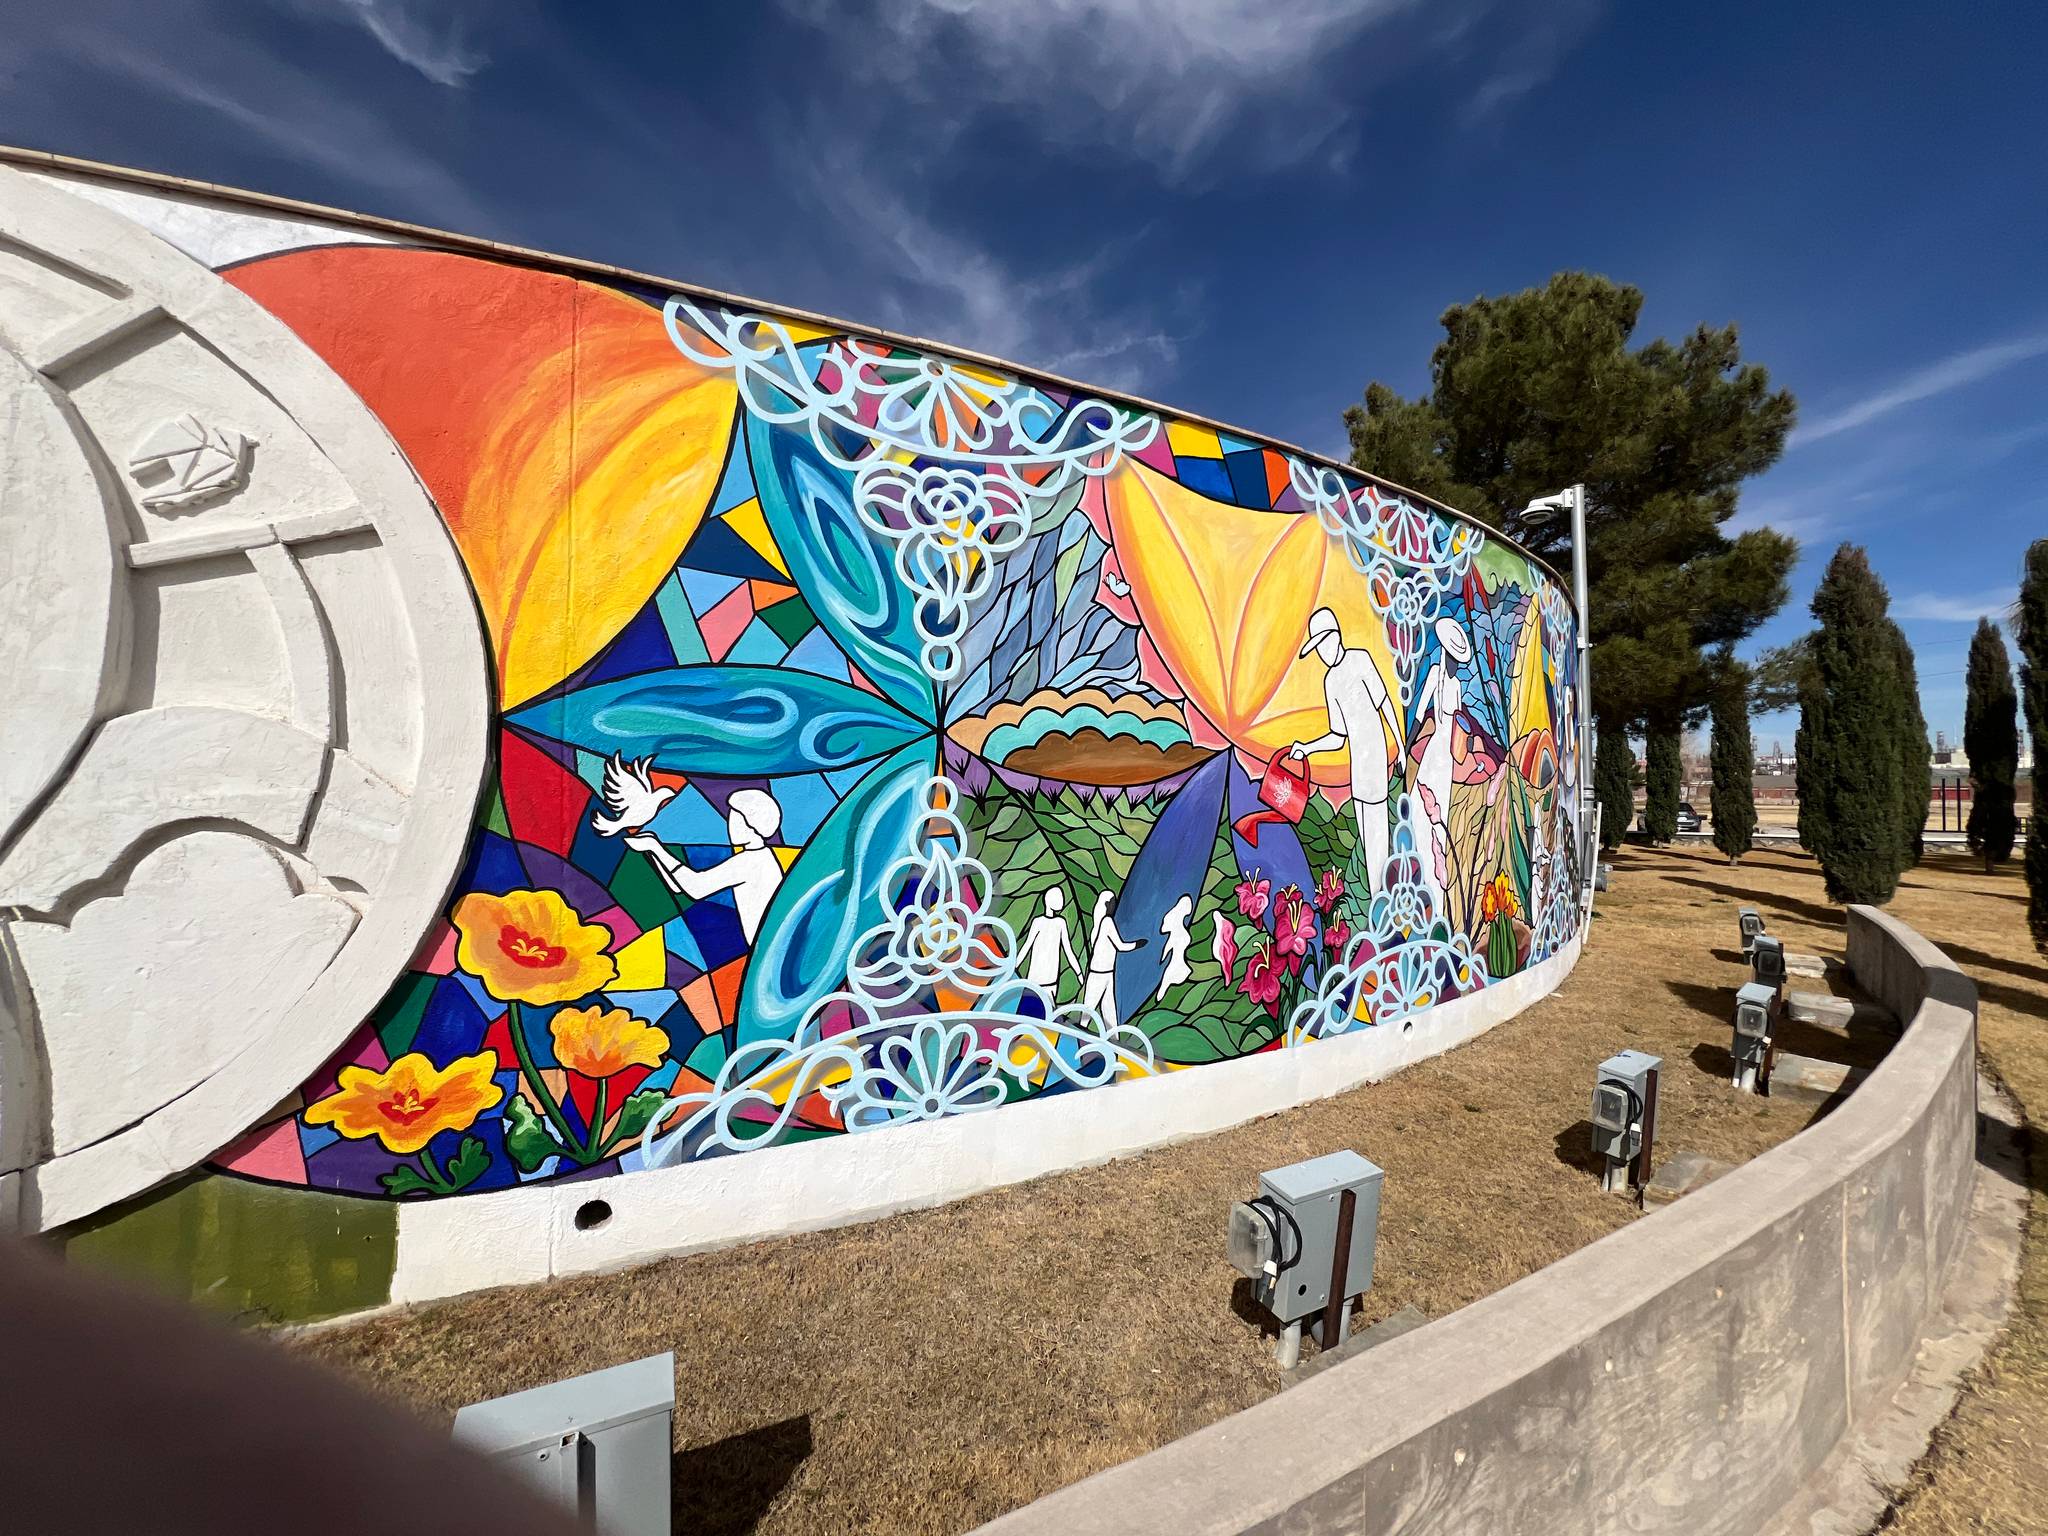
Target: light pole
[1535,515]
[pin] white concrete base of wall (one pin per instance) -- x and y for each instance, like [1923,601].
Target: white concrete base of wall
[446,1247]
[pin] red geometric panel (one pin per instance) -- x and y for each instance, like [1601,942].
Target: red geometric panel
[544,802]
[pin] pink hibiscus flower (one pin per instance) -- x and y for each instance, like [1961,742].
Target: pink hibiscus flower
[1252,896]
[1329,891]
[1294,927]
[1336,932]
[1262,980]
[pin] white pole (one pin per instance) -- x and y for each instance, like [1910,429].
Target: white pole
[1587,851]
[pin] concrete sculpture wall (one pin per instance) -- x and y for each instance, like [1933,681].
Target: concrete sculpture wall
[874,736]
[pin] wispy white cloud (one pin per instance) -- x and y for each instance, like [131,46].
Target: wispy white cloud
[1957,371]
[435,39]
[930,279]
[1956,607]
[1194,88]
[183,57]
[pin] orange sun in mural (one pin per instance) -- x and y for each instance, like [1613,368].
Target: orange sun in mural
[570,447]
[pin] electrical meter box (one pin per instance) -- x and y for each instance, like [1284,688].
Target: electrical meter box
[1286,1239]
[1767,960]
[1751,923]
[1754,1005]
[1622,1096]
[596,1445]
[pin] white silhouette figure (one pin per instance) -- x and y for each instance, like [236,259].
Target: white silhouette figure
[1362,717]
[631,797]
[1045,941]
[753,872]
[1429,808]
[1174,928]
[1105,944]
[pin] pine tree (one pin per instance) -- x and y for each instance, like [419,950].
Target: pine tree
[1916,756]
[1533,391]
[2031,631]
[1991,741]
[1733,802]
[1848,736]
[1661,763]
[1614,783]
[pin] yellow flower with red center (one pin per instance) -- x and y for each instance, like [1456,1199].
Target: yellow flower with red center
[531,947]
[410,1102]
[599,1042]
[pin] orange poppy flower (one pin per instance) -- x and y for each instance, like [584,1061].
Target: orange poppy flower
[530,947]
[601,1041]
[411,1102]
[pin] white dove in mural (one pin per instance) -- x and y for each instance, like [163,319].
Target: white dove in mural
[630,795]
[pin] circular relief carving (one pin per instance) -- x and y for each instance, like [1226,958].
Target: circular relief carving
[227,811]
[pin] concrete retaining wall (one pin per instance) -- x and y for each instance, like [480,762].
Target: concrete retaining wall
[1688,1373]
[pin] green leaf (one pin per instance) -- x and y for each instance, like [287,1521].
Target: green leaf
[470,1161]
[635,1113]
[527,1139]
[405,1180]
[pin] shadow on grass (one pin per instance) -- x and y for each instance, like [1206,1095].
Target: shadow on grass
[1575,1148]
[723,1489]
[1714,1060]
[2033,1150]
[1813,911]
[1715,1003]
[1964,955]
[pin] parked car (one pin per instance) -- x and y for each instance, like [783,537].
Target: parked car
[1688,819]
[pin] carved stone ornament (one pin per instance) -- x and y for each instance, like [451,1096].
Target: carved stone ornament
[186,462]
[227,811]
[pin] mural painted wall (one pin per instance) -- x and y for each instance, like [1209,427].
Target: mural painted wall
[882,737]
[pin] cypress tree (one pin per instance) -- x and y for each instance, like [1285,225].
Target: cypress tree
[1849,711]
[1991,741]
[1733,803]
[2031,631]
[1661,767]
[1916,756]
[1614,783]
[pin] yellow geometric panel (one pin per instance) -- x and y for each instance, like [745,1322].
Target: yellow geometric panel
[643,964]
[747,521]
[1189,441]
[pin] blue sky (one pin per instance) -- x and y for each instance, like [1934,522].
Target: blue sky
[1247,208]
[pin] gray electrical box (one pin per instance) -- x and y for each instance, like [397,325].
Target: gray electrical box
[1286,1240]
[1751,923]
[597,1445]
[1754,1004]
[1624,1106]
[1756,1007]
[1767,961]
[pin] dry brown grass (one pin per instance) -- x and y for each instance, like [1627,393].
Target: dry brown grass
[925,1373]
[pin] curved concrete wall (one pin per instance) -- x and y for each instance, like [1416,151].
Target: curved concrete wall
[1686,1374]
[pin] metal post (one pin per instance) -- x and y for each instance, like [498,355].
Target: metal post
[1587,851]
[1647,1151]
[1339,1302]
